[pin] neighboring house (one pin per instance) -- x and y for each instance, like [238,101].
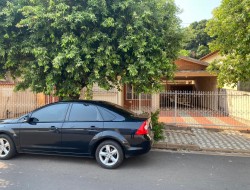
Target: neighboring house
[211,57]
[242,86]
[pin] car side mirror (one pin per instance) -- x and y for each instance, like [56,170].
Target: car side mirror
[26,119]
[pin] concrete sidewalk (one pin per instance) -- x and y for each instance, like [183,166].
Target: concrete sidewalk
[201,139]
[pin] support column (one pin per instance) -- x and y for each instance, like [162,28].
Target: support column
[120,97]
[155,104]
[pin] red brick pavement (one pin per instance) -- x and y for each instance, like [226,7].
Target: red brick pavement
[195,118]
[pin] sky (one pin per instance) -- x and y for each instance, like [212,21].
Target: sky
[196,10]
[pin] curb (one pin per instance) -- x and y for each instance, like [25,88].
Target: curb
[217,129]
[191,147]
[168,146]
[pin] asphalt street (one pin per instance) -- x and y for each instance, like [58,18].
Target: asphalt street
[156,170]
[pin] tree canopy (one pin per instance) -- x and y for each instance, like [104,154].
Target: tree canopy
[71,44]
[196,39]
[231,27]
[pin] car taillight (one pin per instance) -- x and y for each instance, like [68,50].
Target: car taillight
[143,129]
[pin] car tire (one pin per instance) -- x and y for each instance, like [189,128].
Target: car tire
[109,154]
[7,147]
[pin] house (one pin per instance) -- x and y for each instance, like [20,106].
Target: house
[187,99]
[191,75]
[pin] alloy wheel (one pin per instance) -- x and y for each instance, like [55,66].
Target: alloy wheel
[4,147]
[109,155]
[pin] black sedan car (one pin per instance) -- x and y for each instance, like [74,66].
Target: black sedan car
[97,129]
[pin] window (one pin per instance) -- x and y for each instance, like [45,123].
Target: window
[107,115]
[22,118]
[131,95]
[53,113]
[84,112]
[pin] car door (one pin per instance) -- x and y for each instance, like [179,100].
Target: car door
[82,124]
[43,132]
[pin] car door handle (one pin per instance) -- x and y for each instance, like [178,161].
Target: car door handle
[93,128]
[53,128]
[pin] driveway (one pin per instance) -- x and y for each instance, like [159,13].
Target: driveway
[202,119]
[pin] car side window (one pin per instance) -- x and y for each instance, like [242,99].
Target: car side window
[84,112]
[53,113]
[22,118]
[106,114]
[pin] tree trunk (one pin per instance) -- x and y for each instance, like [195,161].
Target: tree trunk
[88,93]
[74,96]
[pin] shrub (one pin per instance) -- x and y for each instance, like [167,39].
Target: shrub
[158,127]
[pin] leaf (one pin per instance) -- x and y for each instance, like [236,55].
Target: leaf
[69,45]
[230,24]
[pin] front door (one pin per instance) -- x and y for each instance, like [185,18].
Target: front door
[43,132]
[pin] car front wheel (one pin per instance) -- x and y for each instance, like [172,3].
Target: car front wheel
[109,154]
[7,148]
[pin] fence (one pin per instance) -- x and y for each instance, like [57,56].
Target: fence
[15,104]
[224,108]
[101,94]
[216,108]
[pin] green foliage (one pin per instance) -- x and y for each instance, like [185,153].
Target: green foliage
[196,39]
[231,27]
[202,51]
[73,44]
[184,52]
[158,127]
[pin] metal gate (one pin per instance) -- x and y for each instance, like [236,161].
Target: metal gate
[225,108]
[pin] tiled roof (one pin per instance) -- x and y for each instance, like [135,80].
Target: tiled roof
[193,60]
[208,55]
[6,83]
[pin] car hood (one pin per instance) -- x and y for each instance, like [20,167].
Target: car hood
[8,121]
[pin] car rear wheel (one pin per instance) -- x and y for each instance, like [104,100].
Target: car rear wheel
[7,148]
[109,154]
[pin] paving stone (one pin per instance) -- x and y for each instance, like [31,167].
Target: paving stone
[204,138]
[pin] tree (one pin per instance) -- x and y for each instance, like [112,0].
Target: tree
[197,39]
[230,25]
[71,44]
[2,24]
[202,51]
[11,38]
